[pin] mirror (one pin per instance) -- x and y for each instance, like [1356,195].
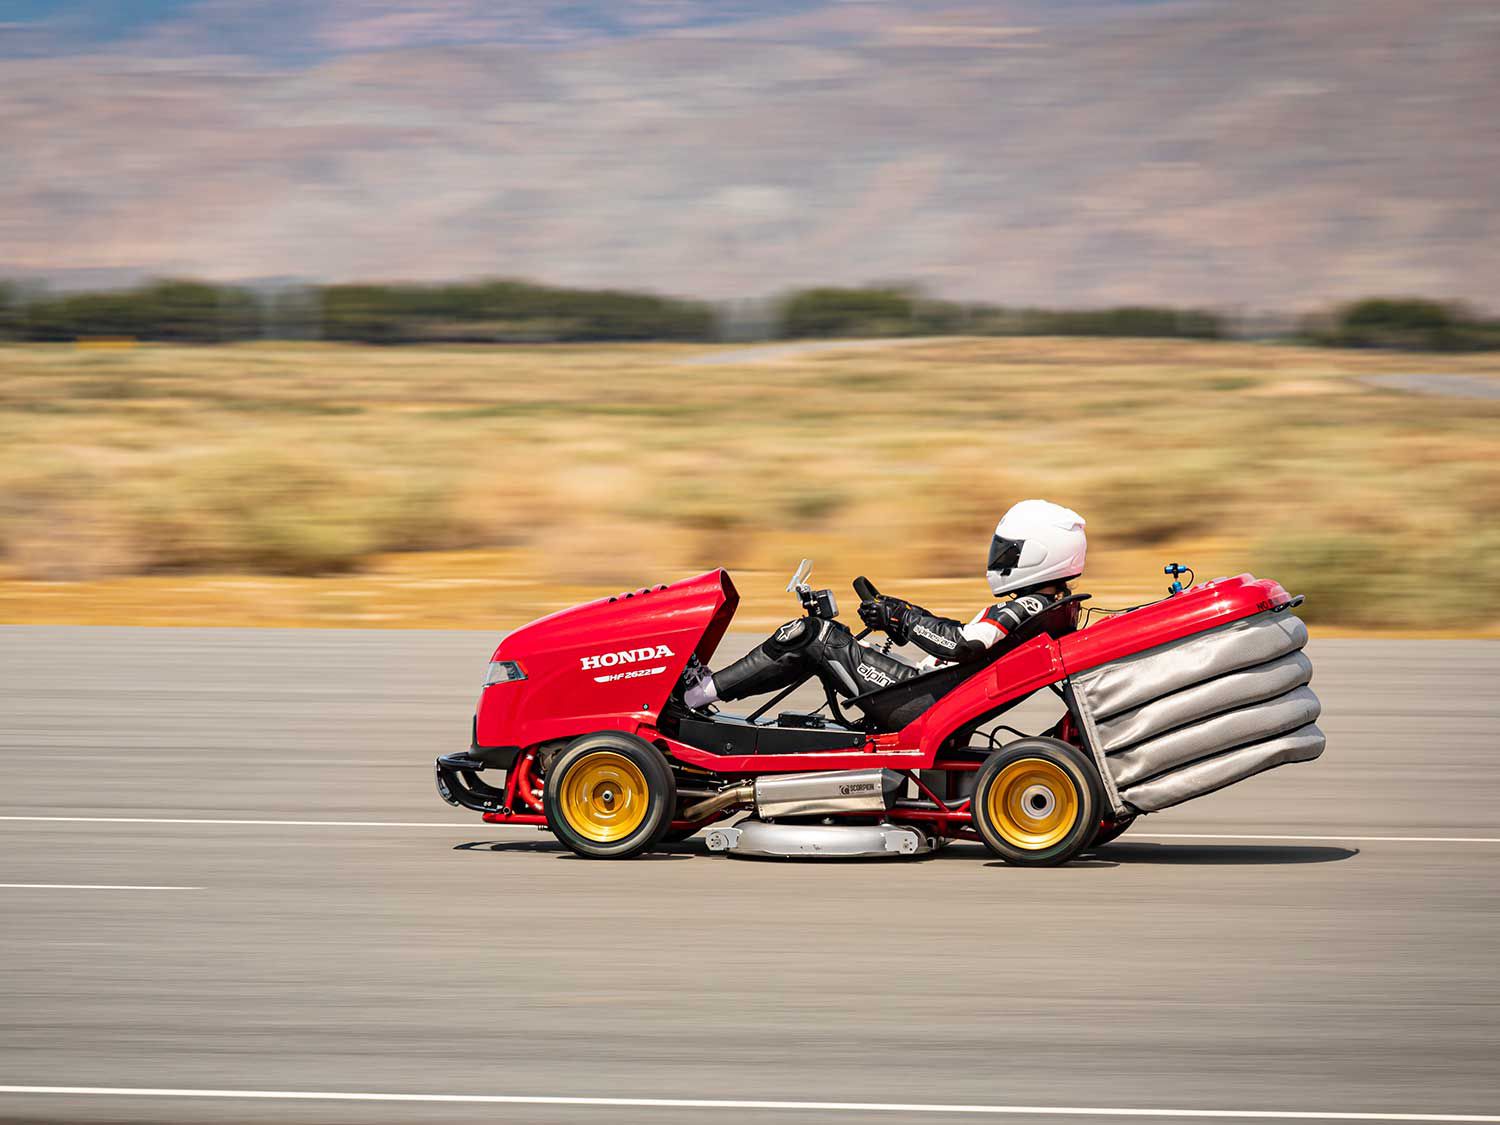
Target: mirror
[804,572]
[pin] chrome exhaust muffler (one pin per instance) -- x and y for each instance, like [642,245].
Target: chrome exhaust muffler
[832,791]
[806,794]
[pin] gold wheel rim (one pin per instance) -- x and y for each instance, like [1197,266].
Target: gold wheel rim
[1033,804]
[605,797]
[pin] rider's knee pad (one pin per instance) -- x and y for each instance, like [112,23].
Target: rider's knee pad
[792,637]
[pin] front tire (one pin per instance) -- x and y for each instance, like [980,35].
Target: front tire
[609,796]
[1036,802]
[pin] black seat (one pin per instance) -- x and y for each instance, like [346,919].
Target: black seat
[891,708]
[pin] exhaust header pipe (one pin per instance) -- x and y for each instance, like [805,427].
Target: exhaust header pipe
[723,799]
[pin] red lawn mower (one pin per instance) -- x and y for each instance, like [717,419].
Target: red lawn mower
[1163,703]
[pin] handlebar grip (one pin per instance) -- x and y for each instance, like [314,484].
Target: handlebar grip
[865,589]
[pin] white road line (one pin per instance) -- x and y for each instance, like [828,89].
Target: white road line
[1138,836]
[87,887]
[773,1106]
[270,823]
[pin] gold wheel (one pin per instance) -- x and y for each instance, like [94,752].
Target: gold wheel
[1033,804]
[605,797]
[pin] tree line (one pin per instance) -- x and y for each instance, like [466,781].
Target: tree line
[481,312]
[506,311]
[1408,323]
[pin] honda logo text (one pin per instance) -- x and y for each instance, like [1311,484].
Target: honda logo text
[625,656]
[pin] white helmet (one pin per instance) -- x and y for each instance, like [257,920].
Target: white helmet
[1036,542]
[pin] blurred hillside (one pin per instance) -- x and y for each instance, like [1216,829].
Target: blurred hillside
[1096,152]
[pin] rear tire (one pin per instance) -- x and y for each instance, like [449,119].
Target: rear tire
[1036,802]
[609,796]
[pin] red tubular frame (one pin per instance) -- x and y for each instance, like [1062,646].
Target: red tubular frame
[518,784]
[945,821]
[524,783]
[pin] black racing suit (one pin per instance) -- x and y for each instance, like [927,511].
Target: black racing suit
[827,649]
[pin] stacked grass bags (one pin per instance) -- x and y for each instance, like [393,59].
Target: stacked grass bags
[1194,715]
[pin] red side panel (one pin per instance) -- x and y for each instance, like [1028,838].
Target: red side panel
[606,665]
[1192,611]
[1030,667]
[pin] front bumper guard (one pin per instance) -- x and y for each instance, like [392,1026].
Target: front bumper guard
[458,783]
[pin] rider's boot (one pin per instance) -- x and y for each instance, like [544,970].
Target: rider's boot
[697,684]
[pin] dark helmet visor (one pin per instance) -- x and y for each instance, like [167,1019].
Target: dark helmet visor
[1004,554]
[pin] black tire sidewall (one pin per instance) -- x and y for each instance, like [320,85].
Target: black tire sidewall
[660,785]
[1076,765]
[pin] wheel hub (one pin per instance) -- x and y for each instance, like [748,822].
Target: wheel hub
[1038,800]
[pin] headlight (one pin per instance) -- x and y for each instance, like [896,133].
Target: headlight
[503,672]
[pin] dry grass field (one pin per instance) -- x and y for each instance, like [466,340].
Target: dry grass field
[321,484]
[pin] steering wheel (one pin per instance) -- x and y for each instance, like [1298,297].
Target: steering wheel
[867,593]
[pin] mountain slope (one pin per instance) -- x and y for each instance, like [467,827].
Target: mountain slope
[1274,154]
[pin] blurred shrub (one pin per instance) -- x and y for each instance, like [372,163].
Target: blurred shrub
[502,311]
[516,311]
[10,311]
[493,311]
[182,311]
[482,312]
[1158,502]
[1408,581]
[1403,322]
[413,510]
[1130,320]
[1344,575]
[902,312]
[254,508]
[721,530]
[271,511]
[57,522]
[808,506]
[847,312]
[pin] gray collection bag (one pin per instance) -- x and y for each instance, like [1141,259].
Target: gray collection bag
[1196,714]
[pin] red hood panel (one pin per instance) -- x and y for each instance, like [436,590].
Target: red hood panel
[613,660]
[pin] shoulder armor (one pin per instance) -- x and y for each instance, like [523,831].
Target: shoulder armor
[1030,605]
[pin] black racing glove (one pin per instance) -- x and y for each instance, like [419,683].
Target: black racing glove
[888,615]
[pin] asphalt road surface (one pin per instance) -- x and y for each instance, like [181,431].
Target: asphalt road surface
[1447,386]
[290,909]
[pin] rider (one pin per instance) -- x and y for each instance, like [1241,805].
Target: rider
[1037,549]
